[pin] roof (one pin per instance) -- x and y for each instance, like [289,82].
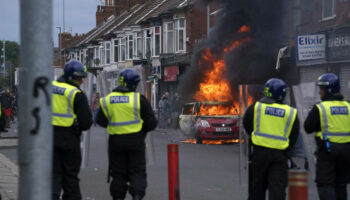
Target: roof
[138,14]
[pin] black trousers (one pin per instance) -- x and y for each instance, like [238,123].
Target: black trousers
[66,166]
[269,171]
[333,171]
[127,163]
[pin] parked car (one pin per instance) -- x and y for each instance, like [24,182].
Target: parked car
[201,126]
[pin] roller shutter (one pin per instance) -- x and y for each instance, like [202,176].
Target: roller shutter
[344,77]
[311,73]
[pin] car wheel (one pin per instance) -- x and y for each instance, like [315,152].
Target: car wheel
[198,139]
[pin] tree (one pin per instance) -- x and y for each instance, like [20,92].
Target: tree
[12,51]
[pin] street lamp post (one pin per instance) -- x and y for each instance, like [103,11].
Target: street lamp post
[59,44]
[3,51]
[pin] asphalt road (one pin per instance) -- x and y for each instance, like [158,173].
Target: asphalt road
[207,172]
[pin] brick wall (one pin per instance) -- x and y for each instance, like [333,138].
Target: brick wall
[103,12]
[122,5]
[196,25]
[313,18]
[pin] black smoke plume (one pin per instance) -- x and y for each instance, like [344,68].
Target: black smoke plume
[250,63]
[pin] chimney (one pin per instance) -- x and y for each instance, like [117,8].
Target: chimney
[123,5]
[104,12]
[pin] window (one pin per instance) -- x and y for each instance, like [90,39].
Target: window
[102,53]
[156,41]
[138,44]
[116,50]
[122,49]
[82,56]
[108,52]
[180,35]
[169,37]
[147,43]
[130,47]
[328,11]
[78,55]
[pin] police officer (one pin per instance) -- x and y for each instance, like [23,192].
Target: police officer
[330,119]
[71,115]
[128,116]
[274,128]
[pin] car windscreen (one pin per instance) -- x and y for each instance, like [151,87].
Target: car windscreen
[187,110]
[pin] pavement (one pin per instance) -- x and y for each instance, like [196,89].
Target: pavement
[8,169]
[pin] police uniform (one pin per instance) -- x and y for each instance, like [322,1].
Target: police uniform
[128,116]
[71,115]
[330,119]
[274,128]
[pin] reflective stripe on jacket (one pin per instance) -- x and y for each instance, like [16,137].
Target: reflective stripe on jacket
[335,121]
[63,96]
[123,112]
[272,125]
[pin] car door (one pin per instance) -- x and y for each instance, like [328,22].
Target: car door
[186,118]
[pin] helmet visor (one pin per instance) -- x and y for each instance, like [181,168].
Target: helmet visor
[322,83]
[80,74]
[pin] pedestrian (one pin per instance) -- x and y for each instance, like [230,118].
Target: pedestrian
[6,106]
[330,120]
[95,106]
[71,115]
[166,110]
[176,109]
[2,116]
[274,128]
[128,117]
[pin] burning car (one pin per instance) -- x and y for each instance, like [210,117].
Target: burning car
[210,121]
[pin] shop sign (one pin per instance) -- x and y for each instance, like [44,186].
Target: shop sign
[311,48]
[339,47]
[170,73]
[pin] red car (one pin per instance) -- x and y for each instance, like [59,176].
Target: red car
[202,126]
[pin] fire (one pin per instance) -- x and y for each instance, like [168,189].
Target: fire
[244,29]
[216,87]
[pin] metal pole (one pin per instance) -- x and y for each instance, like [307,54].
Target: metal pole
[59,45]
[173,172]
[4,52]
[35,138]
[64,20]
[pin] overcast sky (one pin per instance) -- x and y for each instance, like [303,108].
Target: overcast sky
[79,17]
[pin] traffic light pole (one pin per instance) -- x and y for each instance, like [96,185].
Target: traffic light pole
[35,74]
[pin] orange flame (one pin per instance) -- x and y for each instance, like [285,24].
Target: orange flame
[216,87]
[244,29]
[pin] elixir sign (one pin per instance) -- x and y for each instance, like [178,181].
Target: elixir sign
[311,47]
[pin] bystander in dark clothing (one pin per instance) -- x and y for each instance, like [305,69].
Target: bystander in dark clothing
[176,110]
